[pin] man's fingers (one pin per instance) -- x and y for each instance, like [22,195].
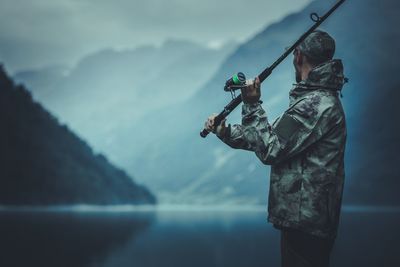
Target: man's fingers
[210,122]
[223,123]
[257,82]
[220,130]
[209,125]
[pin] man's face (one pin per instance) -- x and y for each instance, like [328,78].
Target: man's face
[297,64]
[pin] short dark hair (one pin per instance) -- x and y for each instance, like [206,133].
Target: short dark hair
[318,47]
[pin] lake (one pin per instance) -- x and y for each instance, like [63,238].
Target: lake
[87,236]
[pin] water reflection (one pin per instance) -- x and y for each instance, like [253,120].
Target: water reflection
[65,239]
[174,238]
[204,238]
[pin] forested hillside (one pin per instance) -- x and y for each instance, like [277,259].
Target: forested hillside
[43,162]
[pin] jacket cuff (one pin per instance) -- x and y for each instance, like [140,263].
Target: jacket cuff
[226,135]
[251,108]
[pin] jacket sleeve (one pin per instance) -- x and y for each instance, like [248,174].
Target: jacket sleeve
[253,115]
[297,128]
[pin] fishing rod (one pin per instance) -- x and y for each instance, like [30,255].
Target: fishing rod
[238,81]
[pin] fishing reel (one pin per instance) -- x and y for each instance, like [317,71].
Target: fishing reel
[236,82]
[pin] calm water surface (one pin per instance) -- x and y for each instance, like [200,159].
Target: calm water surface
[180,237]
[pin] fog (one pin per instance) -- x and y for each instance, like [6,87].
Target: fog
[35,34]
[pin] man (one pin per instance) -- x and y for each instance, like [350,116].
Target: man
[305,148]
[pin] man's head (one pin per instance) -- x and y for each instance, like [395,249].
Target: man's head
[317,48]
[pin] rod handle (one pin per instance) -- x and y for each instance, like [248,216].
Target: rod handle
[204,133]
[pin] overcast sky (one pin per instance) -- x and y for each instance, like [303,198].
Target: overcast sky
[36,33]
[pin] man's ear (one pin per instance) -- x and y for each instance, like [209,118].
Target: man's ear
[299,58]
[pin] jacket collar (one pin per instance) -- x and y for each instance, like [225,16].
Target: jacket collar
[328,76]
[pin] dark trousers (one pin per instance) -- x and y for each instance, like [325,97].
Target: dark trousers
[299,249]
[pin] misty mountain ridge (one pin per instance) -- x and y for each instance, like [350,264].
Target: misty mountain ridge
[162,146]
[44,163]
[110,89]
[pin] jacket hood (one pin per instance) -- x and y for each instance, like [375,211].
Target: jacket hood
[328,75]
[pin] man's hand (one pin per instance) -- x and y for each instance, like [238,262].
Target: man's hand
[209,126]
[251,93]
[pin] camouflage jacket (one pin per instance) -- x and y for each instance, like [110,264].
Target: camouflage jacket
[305,148]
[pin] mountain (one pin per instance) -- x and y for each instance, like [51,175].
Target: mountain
[180,166]
[152,128]
[43,162]
[111,89]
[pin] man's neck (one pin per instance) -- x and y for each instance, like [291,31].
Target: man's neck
[305,70]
